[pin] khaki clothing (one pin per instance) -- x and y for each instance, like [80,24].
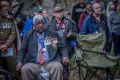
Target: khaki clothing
[7,31]
[30,69]
[7,37]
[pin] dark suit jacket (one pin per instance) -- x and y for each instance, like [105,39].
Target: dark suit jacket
[29,48]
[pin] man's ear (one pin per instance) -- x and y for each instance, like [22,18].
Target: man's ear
[33,26]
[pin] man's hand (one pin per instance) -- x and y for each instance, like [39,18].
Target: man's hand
[65,60]
[18,19]
[19,66]
[3,48]
[69,33]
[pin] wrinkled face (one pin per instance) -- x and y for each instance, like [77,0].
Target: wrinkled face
[39,25]
[97,8]
[4,9]
[59,14]
[81,1]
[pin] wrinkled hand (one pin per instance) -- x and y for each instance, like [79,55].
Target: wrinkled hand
[19,66]
[65,60]
[18,20]
[69,33]
[3,48]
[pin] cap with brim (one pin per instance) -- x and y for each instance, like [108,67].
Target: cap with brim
[57,9]
[38,9]
[15,5]
[4,3]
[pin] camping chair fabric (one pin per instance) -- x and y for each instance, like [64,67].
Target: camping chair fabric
[92,46]
[92,42]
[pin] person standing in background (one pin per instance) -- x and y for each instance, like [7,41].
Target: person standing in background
[102,5]
[97,23]
[111,7]
[114,26]
[87,11]
[7,36]
[77,11]
[20,18]
[66,28]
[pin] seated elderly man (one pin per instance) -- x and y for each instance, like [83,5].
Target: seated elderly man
[41,47]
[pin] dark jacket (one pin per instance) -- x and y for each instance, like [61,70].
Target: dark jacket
[23,19]
[29,48]
[76,12]
[69,25]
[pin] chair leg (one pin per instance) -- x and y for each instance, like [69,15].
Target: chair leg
[93,73]
[115,68]
[81,75]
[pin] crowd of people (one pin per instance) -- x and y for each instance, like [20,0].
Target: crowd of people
[50,42]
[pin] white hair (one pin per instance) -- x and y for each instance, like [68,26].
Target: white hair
[37,17]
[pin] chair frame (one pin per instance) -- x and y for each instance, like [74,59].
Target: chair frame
[93,70]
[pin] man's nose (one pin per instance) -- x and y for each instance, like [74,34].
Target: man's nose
[40,24]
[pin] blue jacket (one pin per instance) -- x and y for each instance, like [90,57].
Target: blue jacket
[28,26]
[91,25]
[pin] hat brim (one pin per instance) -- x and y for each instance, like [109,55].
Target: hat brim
[15,6]
[60,10]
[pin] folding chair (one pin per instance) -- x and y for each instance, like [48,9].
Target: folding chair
[92,68]
[93,59]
